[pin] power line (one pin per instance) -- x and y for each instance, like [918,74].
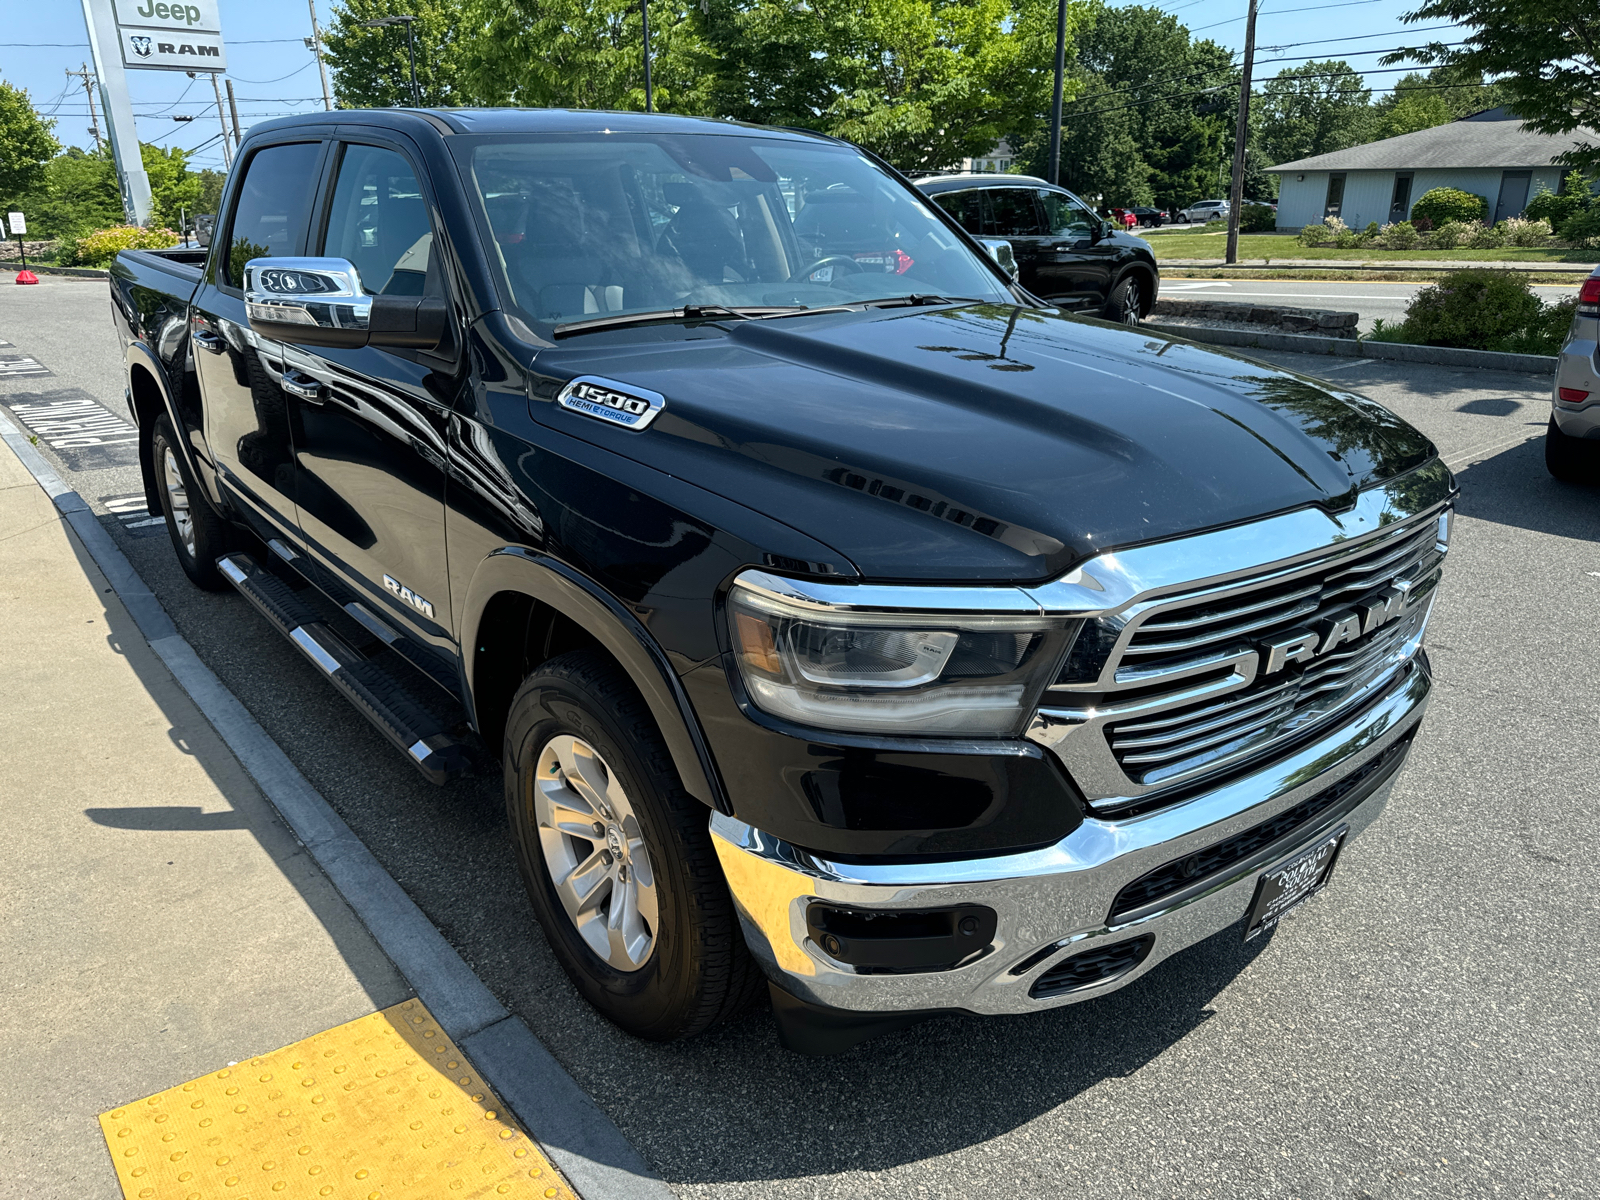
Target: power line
[280,78]
[1281,12]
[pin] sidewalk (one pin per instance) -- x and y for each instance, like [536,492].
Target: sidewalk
[158,923]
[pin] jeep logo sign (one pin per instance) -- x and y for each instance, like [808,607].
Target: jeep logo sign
[158,35]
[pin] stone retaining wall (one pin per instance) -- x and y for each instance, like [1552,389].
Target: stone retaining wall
[1285,318]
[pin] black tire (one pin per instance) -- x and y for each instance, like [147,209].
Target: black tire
[1570,459]
[208,536]
[1125,305]
[697,972]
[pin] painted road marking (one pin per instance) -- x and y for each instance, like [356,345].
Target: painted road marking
[133,511]
[85,435]
[382,1108]
[14,365]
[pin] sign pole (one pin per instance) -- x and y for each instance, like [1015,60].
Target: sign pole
[106,48]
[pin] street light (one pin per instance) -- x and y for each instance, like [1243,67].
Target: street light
[411,49]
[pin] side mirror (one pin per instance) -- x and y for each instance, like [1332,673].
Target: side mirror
[320,302]
[1000,250]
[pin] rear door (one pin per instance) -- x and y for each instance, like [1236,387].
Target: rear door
[246,418]
[1075,269]
[369,424]
[1010,213]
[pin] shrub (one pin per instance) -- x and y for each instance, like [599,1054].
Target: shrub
[1472,309]
[1583,228]
[1312,235]
[1545,333]
[1486,238]
[1402,235]
[100,247]
[1257,218]
[1449,204]
[1422,224]
[1372,229]
[1547,206]
[1520,231]
[1451,234]
[1349,239]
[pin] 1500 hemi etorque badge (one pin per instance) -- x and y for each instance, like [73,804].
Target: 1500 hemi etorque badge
[607,400]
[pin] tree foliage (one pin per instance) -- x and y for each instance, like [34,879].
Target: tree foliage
[370,66]
[26,144]
[1315,108]
[1418,101]
[1544,55]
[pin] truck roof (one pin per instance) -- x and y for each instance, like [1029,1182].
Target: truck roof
[533,120]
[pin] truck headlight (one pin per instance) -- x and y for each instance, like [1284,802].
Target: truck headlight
[884,666]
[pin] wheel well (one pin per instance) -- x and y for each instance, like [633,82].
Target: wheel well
[147,406]
[1147,277]
[515,637]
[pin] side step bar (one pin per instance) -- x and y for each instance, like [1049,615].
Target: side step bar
[382,699]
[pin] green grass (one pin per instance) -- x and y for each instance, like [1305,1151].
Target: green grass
[1282,247]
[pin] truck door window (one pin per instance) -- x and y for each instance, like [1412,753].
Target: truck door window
[379,221]
[963,206]
[269,216]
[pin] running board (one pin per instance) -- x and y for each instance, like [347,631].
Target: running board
[382,699]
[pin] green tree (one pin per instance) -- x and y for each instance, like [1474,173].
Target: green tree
[583,54]
[1419,101]
[1315,108]
[1544,54]
[26,144]
[174,189]
[370,67]
[79,194]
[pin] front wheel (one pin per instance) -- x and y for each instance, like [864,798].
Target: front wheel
[617,857]
[200,534]
[1125,304]
[1570,459]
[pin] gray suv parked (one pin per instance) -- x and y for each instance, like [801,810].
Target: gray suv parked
[1572,446]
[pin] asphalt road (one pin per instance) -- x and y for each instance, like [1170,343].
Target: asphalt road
[1426,1027]
[1369,298]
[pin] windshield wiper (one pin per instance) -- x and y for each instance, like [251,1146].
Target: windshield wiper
[689,312]
[917,299]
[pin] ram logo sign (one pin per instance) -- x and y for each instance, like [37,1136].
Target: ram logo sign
[158,35]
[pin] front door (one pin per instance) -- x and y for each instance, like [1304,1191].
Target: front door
[1400,199]
[1075,266]
[1010,213]
[369,424]
[246,412]
[1513,194]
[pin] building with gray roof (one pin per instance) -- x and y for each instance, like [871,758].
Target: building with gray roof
[1489,153]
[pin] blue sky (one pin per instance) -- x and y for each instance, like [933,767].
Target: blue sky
[274,74]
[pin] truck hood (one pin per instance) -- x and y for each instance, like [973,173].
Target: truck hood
[984,441]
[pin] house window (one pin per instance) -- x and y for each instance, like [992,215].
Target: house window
[1400,201]
[1335,195]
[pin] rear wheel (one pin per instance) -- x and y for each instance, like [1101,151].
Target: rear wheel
[1570,459]
[199,533]
[617,856]
[1125,304]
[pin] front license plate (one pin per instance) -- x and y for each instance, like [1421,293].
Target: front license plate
[1288,885]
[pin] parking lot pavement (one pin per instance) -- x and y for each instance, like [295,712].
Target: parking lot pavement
[1425,1027]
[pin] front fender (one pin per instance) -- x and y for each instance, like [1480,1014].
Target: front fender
[580,599]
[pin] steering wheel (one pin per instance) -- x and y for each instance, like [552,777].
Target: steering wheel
[832,260]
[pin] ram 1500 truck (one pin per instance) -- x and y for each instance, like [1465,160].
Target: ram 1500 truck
[845,619]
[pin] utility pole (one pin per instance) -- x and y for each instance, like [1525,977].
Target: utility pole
[316,48]
[106,48]
[88,91]
[1241,134]
[649,98]
[233,111]
[1055,104]
[227,148]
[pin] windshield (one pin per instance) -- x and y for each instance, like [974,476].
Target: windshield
[586,226]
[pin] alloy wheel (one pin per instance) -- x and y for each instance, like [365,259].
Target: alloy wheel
[1130,303]
[595,852]
[178,501]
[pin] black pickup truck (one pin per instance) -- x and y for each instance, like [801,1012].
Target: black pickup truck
[845,619]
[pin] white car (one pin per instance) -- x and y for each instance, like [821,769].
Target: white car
[1572,443]
[1202,211]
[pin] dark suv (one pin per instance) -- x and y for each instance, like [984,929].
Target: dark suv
[1065,253]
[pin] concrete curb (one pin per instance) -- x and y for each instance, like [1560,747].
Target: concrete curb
[580,1139]
[1364,264]
[80,272]
[1443,356]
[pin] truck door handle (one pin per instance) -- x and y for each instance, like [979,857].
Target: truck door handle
[209,341]
[298,383]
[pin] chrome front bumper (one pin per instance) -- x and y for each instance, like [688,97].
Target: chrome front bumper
[1059,896]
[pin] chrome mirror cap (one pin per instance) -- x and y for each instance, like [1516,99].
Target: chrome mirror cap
[1000,250]
[316,301]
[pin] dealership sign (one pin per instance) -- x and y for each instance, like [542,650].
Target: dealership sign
[161,36]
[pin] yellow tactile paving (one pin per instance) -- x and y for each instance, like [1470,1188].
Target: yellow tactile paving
[383,1108]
